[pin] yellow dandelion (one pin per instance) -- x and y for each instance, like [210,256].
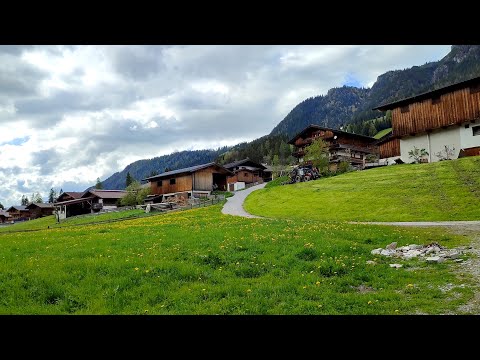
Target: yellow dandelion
[249,290]
[136,269]
[370,302]
[396,310]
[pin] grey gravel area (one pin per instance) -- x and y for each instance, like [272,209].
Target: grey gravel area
[234,204]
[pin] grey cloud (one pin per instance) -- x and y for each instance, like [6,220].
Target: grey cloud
[48,160]
[18,79]
[22,188]
[137,62]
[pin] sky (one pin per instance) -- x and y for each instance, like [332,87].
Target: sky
[72,114]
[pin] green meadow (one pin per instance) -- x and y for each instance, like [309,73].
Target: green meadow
[203,262]
[447,190]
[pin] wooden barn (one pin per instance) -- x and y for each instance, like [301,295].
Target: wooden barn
[195,181]
[343,146]
[5,216]
[447,118]
[388,149]
[38,210]
[19,212]
[90,201]
[245,171]
[69,195]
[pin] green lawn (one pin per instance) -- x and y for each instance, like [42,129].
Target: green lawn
[382,133]
[203,262]
[447,190]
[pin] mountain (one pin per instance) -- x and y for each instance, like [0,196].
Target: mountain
[345,105]
[349,104]
[143,168]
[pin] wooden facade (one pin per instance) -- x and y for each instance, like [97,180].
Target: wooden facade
[206,178]
[40,210]
[452,105]
[245,175]
[4,216]
[343,146]
[389,148]
[19,213]
[247,171]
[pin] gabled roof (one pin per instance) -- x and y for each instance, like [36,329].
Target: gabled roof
[105,194]
[190,169]
[429,94]
[73,194]
[335,131]
[40,205]
[4,213]
[18,208]
[241,162]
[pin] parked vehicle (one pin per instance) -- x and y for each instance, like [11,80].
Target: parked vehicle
[303,173]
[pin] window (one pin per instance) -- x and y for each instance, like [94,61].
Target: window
[172,181]
[474,88]
[476,130]
[436,100]
[404,109]
[159,183]
[245,174]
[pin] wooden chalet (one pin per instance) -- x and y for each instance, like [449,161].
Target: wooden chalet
[19,213]
[199,180]
[388,148]
[38,210]
[448,116]
[90,201]
[343,146]
[4,216]
[245,171]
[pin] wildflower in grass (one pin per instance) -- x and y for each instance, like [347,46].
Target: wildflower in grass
[370,302]
[146,311]
[305,287]
[396,311]
[317,283]
[136,269]
[249,290]
[320,305]
[410,285]
[147,271]
[204,289]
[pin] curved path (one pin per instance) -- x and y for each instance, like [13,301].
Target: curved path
[234,204]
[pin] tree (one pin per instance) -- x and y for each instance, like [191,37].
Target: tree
[167,169]
[275,167]
[446,154]
[417,154]
[129,179]
[52,196]
[2,207]
[24,201]
[61,192]
[135,194]
[37,198]
[99,184]
[371,129]
[318,153]
[153,173]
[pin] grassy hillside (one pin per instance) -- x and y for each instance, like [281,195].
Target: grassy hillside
[382,133]
[203,262]
[447,190]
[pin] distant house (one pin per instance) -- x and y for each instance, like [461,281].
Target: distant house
[4,216]
[38,210]
[446,117]
[19,212]
[199,180]
[90,201]
[245,172]
[343,146]
[69,195]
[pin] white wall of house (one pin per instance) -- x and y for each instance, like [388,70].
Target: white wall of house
[466,136]
[455,136]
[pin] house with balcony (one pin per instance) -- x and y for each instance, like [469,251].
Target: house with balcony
[343,146]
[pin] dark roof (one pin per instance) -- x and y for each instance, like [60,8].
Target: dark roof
[335,131]
[106,194]
[388,136]
[74,194]
[240,162]
[4,213]
[186,170]
[40,205]
[18,207]
[429,94]
[74,201]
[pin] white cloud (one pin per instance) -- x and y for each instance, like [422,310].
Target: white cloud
[70,114]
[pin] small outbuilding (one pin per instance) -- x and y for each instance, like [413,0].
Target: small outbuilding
[38,210]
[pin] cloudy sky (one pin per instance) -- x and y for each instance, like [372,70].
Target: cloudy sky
[70,114]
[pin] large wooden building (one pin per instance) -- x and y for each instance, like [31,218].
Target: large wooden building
[19,212]
[446,118]
[4,216]
[38,210]
[343,146]
[195,180]
[246,172]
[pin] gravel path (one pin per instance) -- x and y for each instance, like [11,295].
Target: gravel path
[234,204]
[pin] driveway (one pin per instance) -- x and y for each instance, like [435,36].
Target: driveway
[234,204]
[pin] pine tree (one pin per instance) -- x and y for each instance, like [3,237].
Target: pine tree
[99,184]
[2,207]
[52,196]
[128,180]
